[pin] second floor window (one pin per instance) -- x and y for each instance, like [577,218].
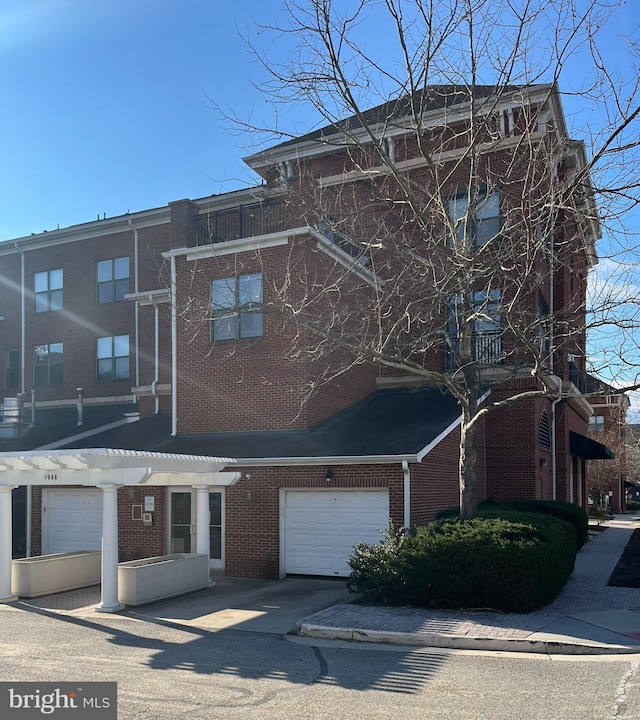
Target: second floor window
[47,364]
[113,358]
[596,423]
[484,223]
[12,370]
[236,305]
[47,290]
[113,279]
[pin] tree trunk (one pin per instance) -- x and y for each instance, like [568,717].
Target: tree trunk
[467,467]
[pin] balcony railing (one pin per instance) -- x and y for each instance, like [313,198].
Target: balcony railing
[486,349]
[242,221]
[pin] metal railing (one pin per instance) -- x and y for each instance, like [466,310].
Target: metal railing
[242,221]
[486,349]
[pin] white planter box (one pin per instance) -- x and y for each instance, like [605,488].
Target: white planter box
[59,572]
[155,578]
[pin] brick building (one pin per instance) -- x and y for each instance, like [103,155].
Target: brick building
[162,332]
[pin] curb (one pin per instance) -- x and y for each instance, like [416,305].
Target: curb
[463,642]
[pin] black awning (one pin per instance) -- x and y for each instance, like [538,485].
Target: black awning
[587,448]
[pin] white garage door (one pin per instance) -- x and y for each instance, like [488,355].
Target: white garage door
[71,520]
[321,527]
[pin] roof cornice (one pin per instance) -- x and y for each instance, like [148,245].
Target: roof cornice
[400,126]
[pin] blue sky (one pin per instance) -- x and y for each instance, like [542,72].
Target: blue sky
[106,106]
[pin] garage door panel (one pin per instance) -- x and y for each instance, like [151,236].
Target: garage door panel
[335,521]
[73,520]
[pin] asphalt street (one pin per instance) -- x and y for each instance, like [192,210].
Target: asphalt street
[167,670]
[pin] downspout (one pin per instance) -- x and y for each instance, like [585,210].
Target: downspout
[154,384]
[23,330]
[174,351]
[136,310]
[23,349]
[552,350]
[554,473]
[407,494]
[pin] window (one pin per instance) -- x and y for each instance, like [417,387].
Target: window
[237,307]
[12,369]
[47,364]
[543,327]
[113,279]
[113,358]
[47,290]
[485,221]
[596,423]
[486,341]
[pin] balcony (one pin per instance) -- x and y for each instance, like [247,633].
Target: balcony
[486,349]
[242,221]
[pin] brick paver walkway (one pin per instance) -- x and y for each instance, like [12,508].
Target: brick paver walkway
[586,591]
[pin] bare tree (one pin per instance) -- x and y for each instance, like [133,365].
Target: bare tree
[453,191]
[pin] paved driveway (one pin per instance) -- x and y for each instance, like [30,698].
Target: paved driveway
[268,606]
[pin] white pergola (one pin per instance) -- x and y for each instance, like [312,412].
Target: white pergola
[107,470]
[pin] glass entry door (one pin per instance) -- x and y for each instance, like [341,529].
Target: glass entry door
[181,521]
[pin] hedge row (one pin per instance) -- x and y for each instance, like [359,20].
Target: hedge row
[573,514]
[504,560]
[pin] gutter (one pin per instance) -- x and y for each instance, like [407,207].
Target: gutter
[326,460]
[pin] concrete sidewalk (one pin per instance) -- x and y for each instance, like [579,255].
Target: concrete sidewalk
[587,617]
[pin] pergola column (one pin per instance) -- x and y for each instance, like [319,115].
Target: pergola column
[203,540]
[109,588]
[6,544]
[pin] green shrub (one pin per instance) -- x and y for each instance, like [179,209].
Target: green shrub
[633,505]
[512,561]
[569,512]
[376,570]
[504,560]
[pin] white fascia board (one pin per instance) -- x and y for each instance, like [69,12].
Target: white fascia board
[336,253]
[418,162]
[150,297]
[86,231]
[327,460]
[231,247]
[438,439]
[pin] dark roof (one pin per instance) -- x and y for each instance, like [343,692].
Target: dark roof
[56,423]
[434,97]
[397,421]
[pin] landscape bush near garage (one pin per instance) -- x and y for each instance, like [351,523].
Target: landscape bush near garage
[504,559]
